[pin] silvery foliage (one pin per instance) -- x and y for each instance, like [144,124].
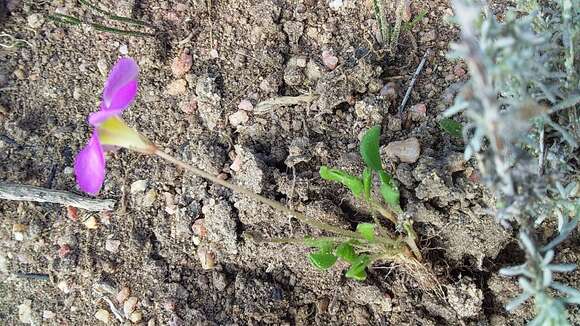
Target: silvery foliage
[522,106]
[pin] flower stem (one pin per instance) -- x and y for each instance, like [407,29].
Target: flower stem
[272,203]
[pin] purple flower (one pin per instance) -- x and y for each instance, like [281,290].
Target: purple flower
[119,93]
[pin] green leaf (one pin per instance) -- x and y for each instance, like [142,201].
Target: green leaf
[357,270]
[351,182]
[389,191]
[367,230]
[367,180]
[369,148]
[346,252]
[324,245]
[452,127]
[322,260]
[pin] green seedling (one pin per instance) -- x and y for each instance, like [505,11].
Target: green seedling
[371,242]
[451,127]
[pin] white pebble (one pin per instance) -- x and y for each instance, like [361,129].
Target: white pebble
[25,312]
[123,295]
[129,306]
[123,49]
[136,317]
[47,314]
[103,315]
[329,60]
[246,105]
[138,186]
[35,21]
[112,246]
[102,66]
[238,118]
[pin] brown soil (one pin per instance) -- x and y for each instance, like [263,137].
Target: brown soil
[51,82]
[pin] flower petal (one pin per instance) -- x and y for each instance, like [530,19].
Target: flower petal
[96,118]
[121,86]
[115,132]
[89,166]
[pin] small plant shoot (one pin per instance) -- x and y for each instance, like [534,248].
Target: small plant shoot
[372,242]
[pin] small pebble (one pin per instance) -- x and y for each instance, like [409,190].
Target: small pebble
[329,60]
[64,250]
[190,106]
[77,93]
[406,150]
[138,186]
[238,118]
[25,312]
[198,229]
[91,223]
[129,306]
[220,281]
[206,257]
[182,64]
[149,198]
[123,294]
[418,112]
[236,164]
[19,231]
[177,87]
[19,73]
[35,21]
[136,317]
[64,286]
[389,91]
[47,314]
[459,71]
[213,54]
[246,105]
[103,316]
[123,49]
[112,246]
[72,213]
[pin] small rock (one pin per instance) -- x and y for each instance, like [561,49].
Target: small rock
[103,316]
[418,112]
[394,124]
[301,62]
[129,306]
[72,213]
[198,229]
[136,316]
[190,106]
[123,295]
[214,54]
[138,186]
[25,312]
[459,71]
[35,21]
[220,281]
[19,73]
[64,286]
[313,72]
[206,258]
[91,223]
[182,64]
[77,93]
[238,118]
[64,250]
[455,162]
[47,314]
[149,198]
[329,60]
[406,150]
[19,231]
[177,87]
[293,75]
[428,36]
[123,49]
[112,246]
[389,92]
[246,105]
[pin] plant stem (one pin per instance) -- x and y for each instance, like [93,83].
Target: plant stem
[113,16]
[272,203]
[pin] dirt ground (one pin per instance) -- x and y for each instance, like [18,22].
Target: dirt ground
[241,51]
